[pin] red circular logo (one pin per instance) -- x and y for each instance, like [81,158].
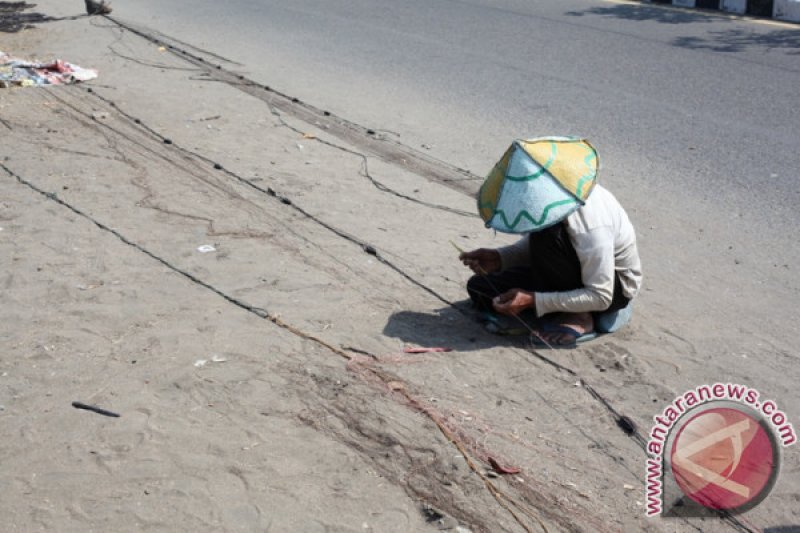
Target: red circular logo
[724,458]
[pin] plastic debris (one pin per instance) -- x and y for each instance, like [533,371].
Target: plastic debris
[22,73]
[214,359]
[206,248]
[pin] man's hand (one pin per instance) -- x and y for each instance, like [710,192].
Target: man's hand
[482,260]
[513,302]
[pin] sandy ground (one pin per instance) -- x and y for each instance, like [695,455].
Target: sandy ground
[263,385]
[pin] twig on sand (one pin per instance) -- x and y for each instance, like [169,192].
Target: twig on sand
[98,410]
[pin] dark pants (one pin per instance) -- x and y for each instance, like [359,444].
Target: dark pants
[554,268]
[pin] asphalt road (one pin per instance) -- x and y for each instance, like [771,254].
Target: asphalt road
[690,111]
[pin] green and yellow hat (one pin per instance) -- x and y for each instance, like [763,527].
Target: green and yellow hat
[538,183]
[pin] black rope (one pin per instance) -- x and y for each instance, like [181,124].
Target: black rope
[365,246]
[194,279]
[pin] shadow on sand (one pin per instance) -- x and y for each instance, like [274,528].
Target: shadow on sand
[452,327]
[13,17]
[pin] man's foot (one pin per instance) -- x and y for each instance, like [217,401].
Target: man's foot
[565,329]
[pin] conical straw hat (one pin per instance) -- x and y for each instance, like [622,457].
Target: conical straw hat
[538,183]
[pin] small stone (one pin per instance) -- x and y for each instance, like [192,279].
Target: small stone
[396,385]
[431,514]
[627,425]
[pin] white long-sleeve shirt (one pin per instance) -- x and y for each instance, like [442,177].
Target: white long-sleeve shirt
[605,242]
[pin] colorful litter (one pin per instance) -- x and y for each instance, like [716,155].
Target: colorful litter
[22,73]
